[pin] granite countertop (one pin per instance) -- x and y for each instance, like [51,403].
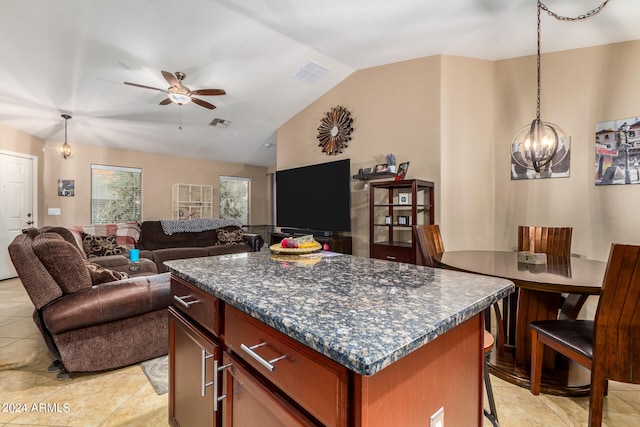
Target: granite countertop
[363,313]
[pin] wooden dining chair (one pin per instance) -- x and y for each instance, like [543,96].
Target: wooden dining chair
[549,240]
[429,243]
[607,345]
[555,242]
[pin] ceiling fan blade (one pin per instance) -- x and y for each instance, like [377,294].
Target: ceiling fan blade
[208,92]
[165,101]
[143,86]
[202,103]
[169,77]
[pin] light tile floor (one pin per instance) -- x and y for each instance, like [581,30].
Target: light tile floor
[31,396]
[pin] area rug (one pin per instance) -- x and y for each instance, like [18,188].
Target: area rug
[157,371]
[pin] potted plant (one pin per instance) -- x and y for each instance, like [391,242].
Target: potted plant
[391,162]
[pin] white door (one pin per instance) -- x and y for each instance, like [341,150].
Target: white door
[16,203]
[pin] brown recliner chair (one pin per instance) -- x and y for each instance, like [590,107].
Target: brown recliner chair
[90,320]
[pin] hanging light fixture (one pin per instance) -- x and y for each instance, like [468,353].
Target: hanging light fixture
[534,146]
[65,149]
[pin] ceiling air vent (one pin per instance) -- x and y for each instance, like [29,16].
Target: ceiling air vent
[220,123]
[310,72]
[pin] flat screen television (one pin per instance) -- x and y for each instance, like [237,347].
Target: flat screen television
[315,199]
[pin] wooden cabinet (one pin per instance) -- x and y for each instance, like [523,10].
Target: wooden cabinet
[192,201]
[192,357]
[226,367]
[250,401]
[314,382]
[394,207]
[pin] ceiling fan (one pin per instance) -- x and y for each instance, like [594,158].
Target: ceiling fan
[179,94]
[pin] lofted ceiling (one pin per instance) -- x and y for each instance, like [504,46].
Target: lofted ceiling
[72,56]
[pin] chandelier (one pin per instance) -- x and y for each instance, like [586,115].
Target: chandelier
[534,146]
[65,149]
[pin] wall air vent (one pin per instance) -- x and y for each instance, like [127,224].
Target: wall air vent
[220,123]
[310,72]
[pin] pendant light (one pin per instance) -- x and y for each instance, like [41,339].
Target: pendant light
[65,149]
[534,146]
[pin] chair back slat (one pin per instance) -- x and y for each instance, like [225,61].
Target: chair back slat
[617,321]
[548,240]
[429,242]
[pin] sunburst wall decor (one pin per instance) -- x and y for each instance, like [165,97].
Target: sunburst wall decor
[335,130]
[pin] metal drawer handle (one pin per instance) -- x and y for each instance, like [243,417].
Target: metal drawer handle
[217,398]
[390,257]
[204,382]
[259,359]
[182,302]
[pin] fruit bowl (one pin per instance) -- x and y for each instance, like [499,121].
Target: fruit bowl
[277,248]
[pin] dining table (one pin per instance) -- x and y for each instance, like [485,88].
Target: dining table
[557,288]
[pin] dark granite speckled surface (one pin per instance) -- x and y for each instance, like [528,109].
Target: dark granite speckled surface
[361,312]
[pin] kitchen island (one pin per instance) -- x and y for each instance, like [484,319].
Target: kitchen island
[333,340]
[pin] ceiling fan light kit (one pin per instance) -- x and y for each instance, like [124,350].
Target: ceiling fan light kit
[179,94]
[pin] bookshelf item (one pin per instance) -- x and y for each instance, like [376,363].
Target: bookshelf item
[191,201]
[392,215]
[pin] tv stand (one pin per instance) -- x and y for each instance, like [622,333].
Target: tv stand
[306,231]
[337,242]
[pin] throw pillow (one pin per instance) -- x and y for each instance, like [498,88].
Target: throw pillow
[95,246]
[99,274]
[229,237]
[63,261]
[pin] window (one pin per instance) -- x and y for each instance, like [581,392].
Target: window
[116,194]
[234,198]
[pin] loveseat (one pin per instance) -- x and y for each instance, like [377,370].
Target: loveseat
[92,318]
[161,241]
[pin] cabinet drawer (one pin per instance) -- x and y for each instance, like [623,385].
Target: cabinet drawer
[313,381]
[250,401]
[196,304]
[392,253]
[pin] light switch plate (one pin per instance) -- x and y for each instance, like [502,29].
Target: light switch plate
[437,419]
[53,211]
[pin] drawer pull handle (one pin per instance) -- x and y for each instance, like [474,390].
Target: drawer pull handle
[266,363]
[217,398]
[391,257]
[204,382]
[182,302]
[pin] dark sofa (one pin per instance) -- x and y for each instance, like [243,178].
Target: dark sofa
[155,244]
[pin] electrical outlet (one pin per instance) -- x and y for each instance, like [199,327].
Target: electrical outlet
[53,211]
[437,419]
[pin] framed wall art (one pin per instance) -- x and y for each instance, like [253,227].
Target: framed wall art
[618,152]
[66,187]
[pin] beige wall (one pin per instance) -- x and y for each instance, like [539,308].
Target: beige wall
[467,147]
[579,88]
[454,118]
[159,172]
[390,114]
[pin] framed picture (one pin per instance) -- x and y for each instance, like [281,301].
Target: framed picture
[617,152]
[402,171]
[66,187]
[403,220]
[382,167]
[403,198]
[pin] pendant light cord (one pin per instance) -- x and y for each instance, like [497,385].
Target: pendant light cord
[542,6]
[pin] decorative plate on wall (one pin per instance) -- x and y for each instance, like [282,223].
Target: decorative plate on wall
[335,130]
